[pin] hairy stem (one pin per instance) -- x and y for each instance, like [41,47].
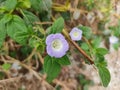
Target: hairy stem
[76,45]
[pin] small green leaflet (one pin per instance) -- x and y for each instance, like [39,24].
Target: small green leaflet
[87,32]
[57,26]
[85,46]
[63,61]
[101,51]
[104,75]
[6,66]
[96,42]
[29,17]
[51,68]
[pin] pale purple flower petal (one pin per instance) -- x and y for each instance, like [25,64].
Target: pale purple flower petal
[57,46]
[113,39]
[76,34]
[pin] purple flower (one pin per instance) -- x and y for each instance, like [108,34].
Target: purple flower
[113,39]
[76,34]
[57,46]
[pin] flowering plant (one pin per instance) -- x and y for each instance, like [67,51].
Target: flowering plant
[23,24]
[57,47]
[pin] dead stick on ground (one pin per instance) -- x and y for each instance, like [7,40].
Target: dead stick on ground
[12,60]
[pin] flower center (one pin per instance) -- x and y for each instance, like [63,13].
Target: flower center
[57,44]
[76,34]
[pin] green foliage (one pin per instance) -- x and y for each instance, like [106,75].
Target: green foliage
[101,51]
[16,32]
[6,18]
[33,42]
[51,67]
[57,26]
[63,61]
[17,21]
[104,75]
[2,75]
[85,46]
[29,17]
[3,22]
[66,15]
[96,42]
[10,4]
[84,81]
[90,4]
[100,61]
[101,64]
[87,32]
[116,46]
[98,53]
[41,5]
[3,33]
[116,29]
[24,4]
[6,66]
[25,51]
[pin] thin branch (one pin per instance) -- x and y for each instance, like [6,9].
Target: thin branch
[61,84]
[40,57]
[30,56]
[10,79]
[12,60]
[42,23]
[79,48]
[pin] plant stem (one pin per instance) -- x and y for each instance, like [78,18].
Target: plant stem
[76,45]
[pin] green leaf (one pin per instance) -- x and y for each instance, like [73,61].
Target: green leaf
[6,18]
[101,51]
[100,61]
[17,30]
[96,42]
[2,33]
[29,17]
[58,26]
[87,32]
[66,15]
[63,61]
[104,75]
[10,4]
[85,46]
[51,68]
[24,4]
[41,5]
[3,21]
[6,66]
[35,4]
